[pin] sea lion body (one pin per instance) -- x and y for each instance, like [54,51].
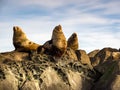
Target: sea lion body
[73,42]
[59,43]
[20,41]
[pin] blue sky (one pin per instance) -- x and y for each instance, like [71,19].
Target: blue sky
[97,22]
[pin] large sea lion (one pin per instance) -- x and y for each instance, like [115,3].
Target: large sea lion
[73,42]
[57,45]
[21,42]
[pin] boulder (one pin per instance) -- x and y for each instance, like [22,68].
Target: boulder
[83,58]
[103,55]
[70,54]
[92,55]
[110,80]
[115,55]
[108,64]
[103,59]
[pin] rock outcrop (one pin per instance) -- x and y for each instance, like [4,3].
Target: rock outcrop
[107,62]
[83,58]
[110,80]
[92,55]
[50,67]
[32,71]
[103,59]
[42,69]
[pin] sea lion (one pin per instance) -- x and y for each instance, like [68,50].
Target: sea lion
[21,42]
[59,43]
[73,42]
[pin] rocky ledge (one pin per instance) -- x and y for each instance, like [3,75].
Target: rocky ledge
[58,68]
[32,71]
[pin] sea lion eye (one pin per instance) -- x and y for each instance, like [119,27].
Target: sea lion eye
[30,42]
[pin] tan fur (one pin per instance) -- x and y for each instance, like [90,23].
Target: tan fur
[58,38]
[20,41]
[73,42]
[59,43]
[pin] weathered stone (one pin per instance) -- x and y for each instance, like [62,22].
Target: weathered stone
[83,57]
[103,59]
[110,80]
[52,81]
[103,55]
[70,54]
[14,55]
[116,55]
[42,72]
[92,55]
[9,81]
[32,71]
[31,85]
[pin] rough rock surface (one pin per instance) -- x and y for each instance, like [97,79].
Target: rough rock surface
[110,80]
[92,55]
[32,71]
[108,64]
[83,57]
[103,59]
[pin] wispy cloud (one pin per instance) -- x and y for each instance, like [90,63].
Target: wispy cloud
[97,22]
[96,40]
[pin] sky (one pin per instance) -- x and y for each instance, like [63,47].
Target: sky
[96,22]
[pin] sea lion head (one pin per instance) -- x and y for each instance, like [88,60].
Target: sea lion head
[58,28]
[59,43]
[74,36]
[18,31]
[73,41]
[57,33]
